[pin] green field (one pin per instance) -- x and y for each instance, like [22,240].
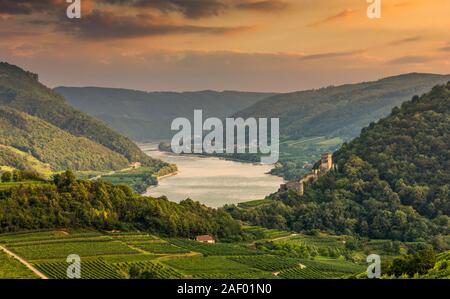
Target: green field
[12,269]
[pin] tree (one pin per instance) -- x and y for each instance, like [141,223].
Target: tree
[17,176]
[6,177]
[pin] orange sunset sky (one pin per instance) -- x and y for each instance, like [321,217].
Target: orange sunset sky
[255,45]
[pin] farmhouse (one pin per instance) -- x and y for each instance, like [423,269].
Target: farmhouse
[206,239]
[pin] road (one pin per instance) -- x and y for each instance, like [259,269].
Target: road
[24,262]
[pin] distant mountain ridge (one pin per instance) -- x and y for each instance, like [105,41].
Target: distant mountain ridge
[145,116]
[38,121]
[341,111]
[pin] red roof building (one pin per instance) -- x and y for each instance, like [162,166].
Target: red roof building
[205,239]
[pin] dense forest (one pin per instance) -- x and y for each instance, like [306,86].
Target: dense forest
[391,182]
[67,202]
[21,90]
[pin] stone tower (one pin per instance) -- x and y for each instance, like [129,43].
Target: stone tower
[327,162]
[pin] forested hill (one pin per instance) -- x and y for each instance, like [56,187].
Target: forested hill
[51,145]
[392,182]
[69,203]
[21,91]
[144,116]
[341,111]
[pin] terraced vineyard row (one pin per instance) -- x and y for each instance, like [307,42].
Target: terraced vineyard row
[303,273]
[264,233]
[214,249]
[267,262]
[160,248]
[160,270]
[83,249]
[334,266]
[96,269]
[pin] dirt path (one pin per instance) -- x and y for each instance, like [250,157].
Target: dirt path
[24,262]
[285,237]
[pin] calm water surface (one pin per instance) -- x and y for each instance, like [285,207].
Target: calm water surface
[212,181]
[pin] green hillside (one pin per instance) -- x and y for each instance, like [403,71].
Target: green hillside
[22,91]
[341,111]
[392,182]
[54,146]
[16,159]
[144,116]
[316,121]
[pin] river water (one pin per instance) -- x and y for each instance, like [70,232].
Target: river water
[212,181]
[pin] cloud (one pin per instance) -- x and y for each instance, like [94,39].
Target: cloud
[332,55]
[411,60]
[445,48]
[267,6]
[339,16]
[405,40]
[196,9]
[27,7]
[103,25]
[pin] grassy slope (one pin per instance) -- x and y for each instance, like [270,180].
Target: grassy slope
[10,268]
[20,160]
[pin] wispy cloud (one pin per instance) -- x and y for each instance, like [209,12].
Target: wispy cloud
[405,40]
[332,55]
[411,60]
[196,9]
[102,25]
[337,17]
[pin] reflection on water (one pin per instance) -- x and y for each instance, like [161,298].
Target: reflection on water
[213,181]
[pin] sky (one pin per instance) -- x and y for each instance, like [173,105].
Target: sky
[248,45]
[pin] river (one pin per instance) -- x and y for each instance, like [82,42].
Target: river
[212,181]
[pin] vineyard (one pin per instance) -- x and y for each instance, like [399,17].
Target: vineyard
[264,233]
[267,262]
[96,269]
[11,268]
[213,249]
[115,255]
[215,267]
[159,270]
[160,248]
[61,250]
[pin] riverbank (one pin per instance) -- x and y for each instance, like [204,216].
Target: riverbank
[213,181]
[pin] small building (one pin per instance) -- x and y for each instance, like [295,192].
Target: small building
[205,239]
[135,165]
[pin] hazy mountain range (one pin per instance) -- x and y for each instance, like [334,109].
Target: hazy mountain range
[146,116]
[338,111]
